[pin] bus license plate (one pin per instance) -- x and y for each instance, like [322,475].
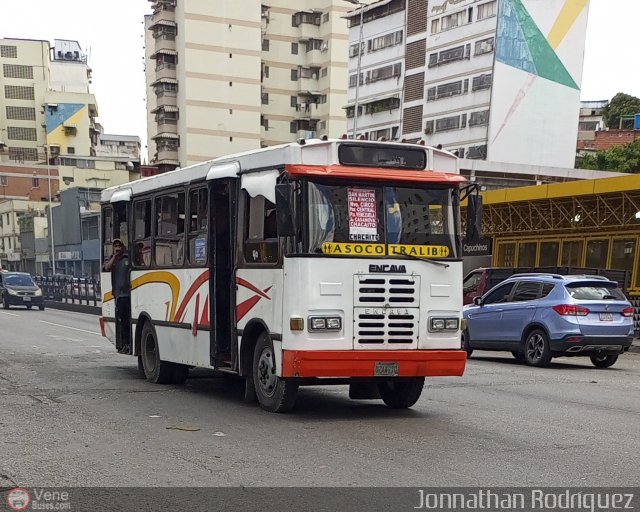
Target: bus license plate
[385,370]
[606,317]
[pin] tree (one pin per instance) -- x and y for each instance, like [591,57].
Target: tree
[620,105]
[618,158]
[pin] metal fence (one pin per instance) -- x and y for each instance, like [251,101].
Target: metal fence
[70,290]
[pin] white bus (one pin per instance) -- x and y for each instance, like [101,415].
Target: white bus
[318,262]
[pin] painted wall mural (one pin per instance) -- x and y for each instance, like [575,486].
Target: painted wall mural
[537,77]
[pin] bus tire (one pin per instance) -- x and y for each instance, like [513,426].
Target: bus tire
[274,393]
[156,370]
[401,392]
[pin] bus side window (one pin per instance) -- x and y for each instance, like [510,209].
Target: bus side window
[142,234]
[261,234]
[169,237]
[107,232]
[198,222]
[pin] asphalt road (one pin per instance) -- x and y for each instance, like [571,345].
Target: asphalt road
[74,412]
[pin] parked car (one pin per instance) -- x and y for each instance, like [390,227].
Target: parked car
[479,281]
[541,316]
[19,289]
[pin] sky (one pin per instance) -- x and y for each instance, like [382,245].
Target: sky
[111,33]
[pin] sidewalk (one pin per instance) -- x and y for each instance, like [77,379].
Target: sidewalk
[635,345]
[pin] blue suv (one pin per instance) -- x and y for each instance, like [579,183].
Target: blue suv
[540,316]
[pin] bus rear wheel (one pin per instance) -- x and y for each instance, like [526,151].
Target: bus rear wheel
[401,392]
[156,371]
[274,393]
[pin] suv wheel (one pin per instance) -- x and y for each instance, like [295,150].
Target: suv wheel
[537,351]
[465,343]
[603,360]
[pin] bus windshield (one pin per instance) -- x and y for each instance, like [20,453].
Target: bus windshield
[365,220]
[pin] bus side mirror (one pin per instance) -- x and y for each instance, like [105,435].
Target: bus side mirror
[284,209]
[474,218]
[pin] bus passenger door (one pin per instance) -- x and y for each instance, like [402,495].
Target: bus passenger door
[222,209]
[123,304]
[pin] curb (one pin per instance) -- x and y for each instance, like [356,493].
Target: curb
[76,308]
[635,348]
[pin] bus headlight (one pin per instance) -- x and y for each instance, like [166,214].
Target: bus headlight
[444,324]
[324,323]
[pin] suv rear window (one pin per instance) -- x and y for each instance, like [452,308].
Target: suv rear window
[593,291]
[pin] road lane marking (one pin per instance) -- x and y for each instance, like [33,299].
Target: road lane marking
[73,328]
[5,313]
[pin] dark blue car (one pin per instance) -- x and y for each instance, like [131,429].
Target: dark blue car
[540,316]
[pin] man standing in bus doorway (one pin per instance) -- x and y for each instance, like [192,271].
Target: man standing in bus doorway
[118,265]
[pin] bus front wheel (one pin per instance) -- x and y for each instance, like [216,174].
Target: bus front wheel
[156,371]
[274,393]
[401,392]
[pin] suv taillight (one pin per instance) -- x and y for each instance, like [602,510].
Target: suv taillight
[627,312]
[570,310]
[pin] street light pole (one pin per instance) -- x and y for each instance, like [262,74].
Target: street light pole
[53,249]
[355,107]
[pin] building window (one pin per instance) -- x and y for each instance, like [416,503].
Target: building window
[393,70]
[477,152]
[294,75]
[264,122]
[484,46]
[447,123]
[325,17]
[379,43]
[18,92]
[447,56]
[311,18]
[454,20]
[20,133]
[71,150]
[4,181]
[315,44]
[353,49]
[8,52]
[17,71]
[479,118]
[23,154]
[21,113]
[265,98]
[352,80]
[324,72]
[294,48]
[293,127]
[487,10]
[294,101]
[597,253]
[435,26]
[35,182]
[482,82]
[265,45]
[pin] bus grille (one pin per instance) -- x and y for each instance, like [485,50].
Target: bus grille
[386,311]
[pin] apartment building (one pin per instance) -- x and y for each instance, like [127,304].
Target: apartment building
[225,77]
[378,95]
[11,212]
[50,115]
[591,121]
[492,79]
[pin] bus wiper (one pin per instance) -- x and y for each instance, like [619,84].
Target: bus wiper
[427,260]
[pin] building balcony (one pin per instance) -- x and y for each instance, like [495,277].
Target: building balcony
[165,70]
[308,31]
[165,44]
[167,99]
[161,15]
[167,154]
[308,86]
[315,58]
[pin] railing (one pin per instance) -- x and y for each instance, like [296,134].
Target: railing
[70,290]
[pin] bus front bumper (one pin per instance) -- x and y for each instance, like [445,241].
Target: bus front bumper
[373,363]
